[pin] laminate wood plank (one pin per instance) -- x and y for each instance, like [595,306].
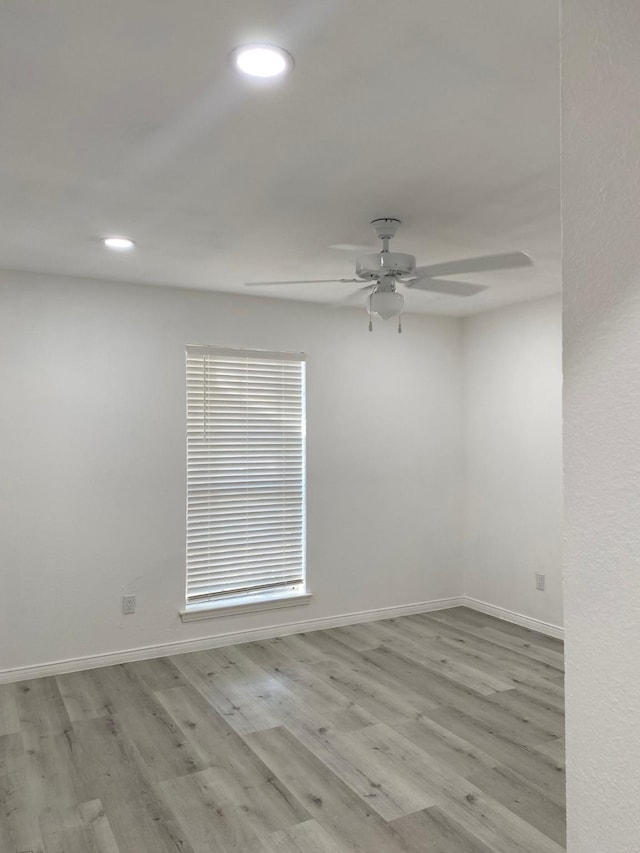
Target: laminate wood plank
[389,793]
[440,743]
[50,747]
[159,747]
[236,777]
[252,684]
[539,770]
[411,677]
[64,832]
[555,749]
[539,713]
[391,790]
[328,800]
[335,749]
[302,680]
[50,768]
[82,829]
[508,717]
[307,837]
[483,817]
[450,665]
[483,646]
[9,722]
[358,637]
[157,674]
[226,691]
[41,706]
[19,827]
[381,695]
[298,648]
[433,831]
[484,620]
[98,827]
[525,647]
[83,695]
[432,733]
[479,654]
[330,647]
[110,772]
[209,816]
[510,789]
[11,750]
[540,688]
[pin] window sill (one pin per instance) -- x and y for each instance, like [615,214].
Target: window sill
[246,605]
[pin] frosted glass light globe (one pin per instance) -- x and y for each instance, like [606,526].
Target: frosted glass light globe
[386,304]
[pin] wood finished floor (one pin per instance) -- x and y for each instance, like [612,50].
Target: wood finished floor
[437,733]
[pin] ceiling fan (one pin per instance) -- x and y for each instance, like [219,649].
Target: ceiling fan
[381,272]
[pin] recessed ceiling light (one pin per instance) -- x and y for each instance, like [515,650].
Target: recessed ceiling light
[262,60]
[118,243]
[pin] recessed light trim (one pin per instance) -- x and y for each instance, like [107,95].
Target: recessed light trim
[262,60]
[119,243]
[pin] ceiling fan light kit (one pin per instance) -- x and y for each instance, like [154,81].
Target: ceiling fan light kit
[386,303]
[382,271]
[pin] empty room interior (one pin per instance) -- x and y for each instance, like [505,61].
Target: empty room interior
[318,426]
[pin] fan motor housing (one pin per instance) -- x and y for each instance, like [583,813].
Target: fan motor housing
[385,263]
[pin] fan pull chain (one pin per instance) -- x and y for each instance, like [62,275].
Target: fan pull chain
[399,324]
[370,323]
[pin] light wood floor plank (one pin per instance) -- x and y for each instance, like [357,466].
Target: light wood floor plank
[524,646]
[433,733]
[78,830]
[110,772]
[540,770]
[433,831]
[307,837]
[510,789]
[555,749]
[464,636]
[83,695]
[19,804]
[9,722]
[329,801]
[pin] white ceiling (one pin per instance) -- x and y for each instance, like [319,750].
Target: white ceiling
[125,117]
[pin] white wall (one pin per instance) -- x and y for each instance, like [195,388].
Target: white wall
[601,181]
[513,441]
[92,459]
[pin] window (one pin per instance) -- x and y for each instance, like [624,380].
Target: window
[245,476]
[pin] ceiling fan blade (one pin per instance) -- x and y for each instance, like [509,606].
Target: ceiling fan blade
[509,261]
[305,281]
[354,295]
[450,288]
[352,247]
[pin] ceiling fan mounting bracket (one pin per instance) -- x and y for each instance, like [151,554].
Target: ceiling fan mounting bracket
[386,227]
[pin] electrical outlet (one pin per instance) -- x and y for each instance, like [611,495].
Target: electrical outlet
[128,604]
[540,581]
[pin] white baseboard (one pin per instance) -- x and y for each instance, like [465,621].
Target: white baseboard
[512,616]
[179,647]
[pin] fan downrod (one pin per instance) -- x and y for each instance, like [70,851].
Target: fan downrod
[385,228]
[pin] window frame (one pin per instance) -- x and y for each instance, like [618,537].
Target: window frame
[272,598]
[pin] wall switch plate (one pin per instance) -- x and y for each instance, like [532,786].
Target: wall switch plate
[128,604]
[540,581]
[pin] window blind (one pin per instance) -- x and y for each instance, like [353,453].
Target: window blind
[245,473]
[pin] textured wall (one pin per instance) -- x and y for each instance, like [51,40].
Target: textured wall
[92,459]
[512,371]
[601,203]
